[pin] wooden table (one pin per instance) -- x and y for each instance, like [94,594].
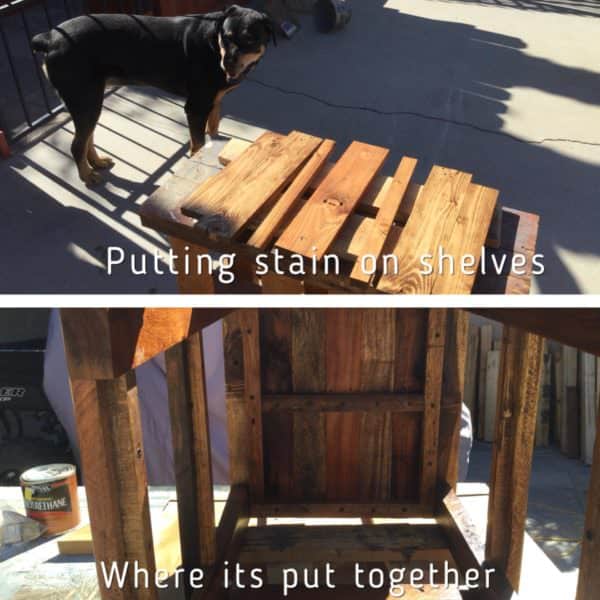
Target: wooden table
[283,198]
[367,432]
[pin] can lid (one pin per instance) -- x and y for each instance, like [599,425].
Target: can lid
[47,473]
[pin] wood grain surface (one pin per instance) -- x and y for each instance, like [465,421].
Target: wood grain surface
[224,203]
[319,221]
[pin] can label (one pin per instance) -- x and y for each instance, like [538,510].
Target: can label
[47,497]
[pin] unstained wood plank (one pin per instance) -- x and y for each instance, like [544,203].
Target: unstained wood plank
[319,221]
[226,202]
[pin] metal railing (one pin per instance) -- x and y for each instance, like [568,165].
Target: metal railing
[26,97]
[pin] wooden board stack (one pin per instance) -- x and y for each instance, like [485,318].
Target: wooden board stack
[569,402]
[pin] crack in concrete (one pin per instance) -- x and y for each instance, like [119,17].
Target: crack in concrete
[411,113]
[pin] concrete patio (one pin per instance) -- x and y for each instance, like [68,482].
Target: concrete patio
[507,91]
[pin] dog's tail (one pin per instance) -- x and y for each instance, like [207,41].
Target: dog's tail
[41,42]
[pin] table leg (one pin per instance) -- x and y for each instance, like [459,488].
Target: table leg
[110,440]
[191,452]
[518,392]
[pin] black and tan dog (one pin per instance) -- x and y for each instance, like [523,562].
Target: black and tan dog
[198,57]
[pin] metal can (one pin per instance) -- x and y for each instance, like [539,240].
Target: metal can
[50,495]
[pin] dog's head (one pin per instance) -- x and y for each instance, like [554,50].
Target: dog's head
[243,38]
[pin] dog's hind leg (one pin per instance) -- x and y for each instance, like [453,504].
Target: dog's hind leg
[85,106]
[95,160]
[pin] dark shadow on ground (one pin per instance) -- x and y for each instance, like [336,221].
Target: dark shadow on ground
[438,91]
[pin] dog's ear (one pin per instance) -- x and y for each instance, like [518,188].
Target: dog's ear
[270,27]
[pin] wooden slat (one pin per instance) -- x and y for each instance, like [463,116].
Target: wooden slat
[406,456]
[518,393]
[340,509]
[373,402]
[589,573]
[319,221]
[467,239]
[485,346]
[339,543]
[393,195]
[377,358]
[110,440]
[238,427]
[226,202]
[468,550]
[452,402]
[276,378]
[436,337]
[191,452]
[373,198]
[429,227]
[542,426]
[343,330]
[492,371]
[471,373]
[268,228]
[249,326]
[309,375]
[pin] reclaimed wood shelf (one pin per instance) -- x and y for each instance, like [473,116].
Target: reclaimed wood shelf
[330,413]
[282,195]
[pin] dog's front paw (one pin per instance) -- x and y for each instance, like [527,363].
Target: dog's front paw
[103,162]
[92,178]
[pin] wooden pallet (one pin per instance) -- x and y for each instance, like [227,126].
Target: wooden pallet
[283,195]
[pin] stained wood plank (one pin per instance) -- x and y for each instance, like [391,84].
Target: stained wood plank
[110,440]
[343,330]
[250,332]
[429,227]
[518,393]
[411,339]
[436,336]
[589,573]
[452,402]
[393,195]
[373,402]
[387,509]
[237,412]
[372,199]
[309,375]
[377,357]
[226,202]
[276,376]
[270,225]
[467,239]
[339,543]
[406,456]
[319,221]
